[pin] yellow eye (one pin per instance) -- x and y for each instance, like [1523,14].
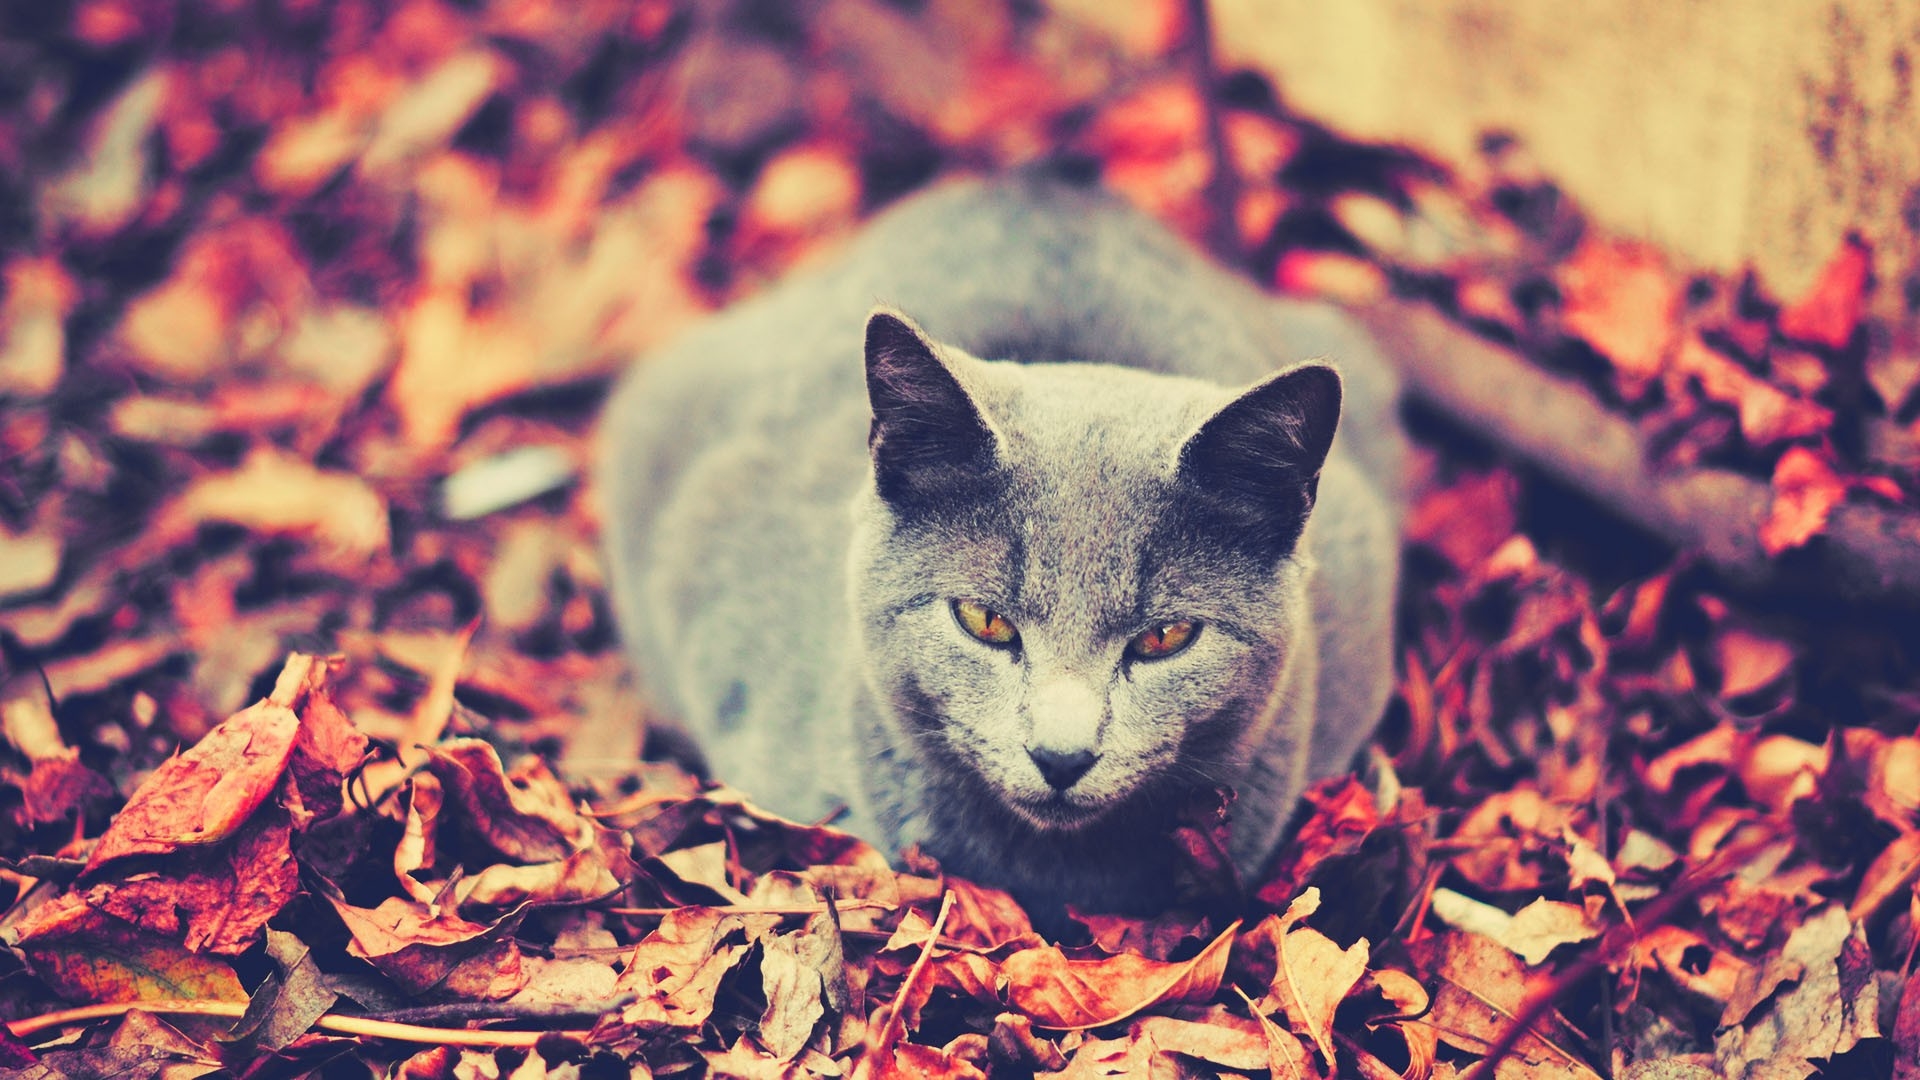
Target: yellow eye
[1163,640]
[984,623]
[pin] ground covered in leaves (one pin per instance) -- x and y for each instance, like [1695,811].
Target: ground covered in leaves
[307,310]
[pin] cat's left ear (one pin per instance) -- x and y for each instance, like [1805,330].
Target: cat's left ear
[1256,463]
[929,439]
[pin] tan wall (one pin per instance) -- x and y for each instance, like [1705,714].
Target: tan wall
[1728,131]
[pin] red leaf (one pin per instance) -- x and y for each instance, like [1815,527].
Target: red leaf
[213,901]
[1343,814]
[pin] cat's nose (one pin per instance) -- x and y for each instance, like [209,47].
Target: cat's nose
[1062,768]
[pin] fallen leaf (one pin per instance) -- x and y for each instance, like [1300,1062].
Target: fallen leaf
[275,494]
[1480,989]
[1312,975]
[1468,519]
[427,951]
[675,971]
[214,900]
[1823,1000]
[1768,414]
[803,975]
[108,185]
[204,795]
[1342,815]
[86,955]
[1059,992]
[1805,491]
[28,564]
[33,326]
[426,116]
[285,1006]
[141,1045]
[1620,296]
[1748,660]
[1830,310]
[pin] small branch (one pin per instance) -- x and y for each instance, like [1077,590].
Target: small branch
[1610,947]
[1869,555]
[342,1025]
[790,911]
[882,1047]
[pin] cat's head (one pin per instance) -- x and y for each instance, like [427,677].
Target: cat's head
[1077,585]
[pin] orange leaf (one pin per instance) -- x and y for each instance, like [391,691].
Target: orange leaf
[202,796]
[1768,414]
[1805,491]
[1621,298]
[1830,311]
[1059,992]
[86,955]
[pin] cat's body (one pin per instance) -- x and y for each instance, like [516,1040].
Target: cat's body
[790,594]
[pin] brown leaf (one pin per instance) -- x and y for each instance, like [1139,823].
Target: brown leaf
[1748,660]
[1544,925]
[1312,975]
[1219,1038]
[987,917]
[84,954]
[1157,938]
[912,1061]
[1058,992]
[803,975]
[1906,1033]
[969,974]
[1014,1042]
[33,316]
[141,1045]
[675,971]
[1830,311]
[328,747]
[1693,964]
[202,796]
[1481,988]
[1817,999]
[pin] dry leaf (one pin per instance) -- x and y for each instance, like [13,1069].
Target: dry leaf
[1830,311]
[87,956]
[1621,298]
[1059,992]
[1805,491]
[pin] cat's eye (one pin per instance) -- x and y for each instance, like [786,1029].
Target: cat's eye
[1162,641]
[984,623]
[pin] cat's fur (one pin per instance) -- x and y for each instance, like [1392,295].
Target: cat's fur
[788,527]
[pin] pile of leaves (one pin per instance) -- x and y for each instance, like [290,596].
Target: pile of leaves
[307,311]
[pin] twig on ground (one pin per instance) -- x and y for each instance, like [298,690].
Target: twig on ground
[1869,555]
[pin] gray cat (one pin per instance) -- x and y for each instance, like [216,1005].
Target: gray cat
[1013,610]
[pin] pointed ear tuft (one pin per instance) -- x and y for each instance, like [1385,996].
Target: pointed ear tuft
[928,438]
[1255,464]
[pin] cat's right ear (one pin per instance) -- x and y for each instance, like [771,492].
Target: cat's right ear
[928,438]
